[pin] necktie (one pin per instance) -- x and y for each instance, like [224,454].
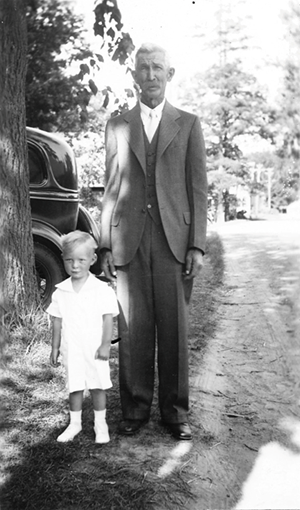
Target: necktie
[151,125]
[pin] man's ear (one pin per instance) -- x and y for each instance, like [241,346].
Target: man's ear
[133,74]
[95,258]
[171,73]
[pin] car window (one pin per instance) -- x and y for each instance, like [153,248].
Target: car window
[37,167]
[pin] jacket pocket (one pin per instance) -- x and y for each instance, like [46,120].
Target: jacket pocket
[187,218]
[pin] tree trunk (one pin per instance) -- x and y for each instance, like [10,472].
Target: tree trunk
[18,290]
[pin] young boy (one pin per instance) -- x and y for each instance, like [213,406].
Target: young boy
[83,308]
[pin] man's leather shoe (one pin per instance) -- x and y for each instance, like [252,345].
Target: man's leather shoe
[130,427]
[180,431]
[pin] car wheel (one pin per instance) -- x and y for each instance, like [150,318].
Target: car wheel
[49,271]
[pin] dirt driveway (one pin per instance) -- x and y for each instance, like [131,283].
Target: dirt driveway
[249,381]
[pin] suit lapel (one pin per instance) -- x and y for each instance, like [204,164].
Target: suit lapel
[168,128]
[167,131]
[135,136]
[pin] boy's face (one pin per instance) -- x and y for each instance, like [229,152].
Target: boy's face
[78,261]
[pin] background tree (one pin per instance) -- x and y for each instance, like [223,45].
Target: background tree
[232,108]
[286,185]
[231,104]
[55,95]
[18,288]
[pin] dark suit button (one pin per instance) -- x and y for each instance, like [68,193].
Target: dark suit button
[143,210]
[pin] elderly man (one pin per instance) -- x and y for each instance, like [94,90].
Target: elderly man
[153,231]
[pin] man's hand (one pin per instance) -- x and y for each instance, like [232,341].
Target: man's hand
[103,352]
[193,263]
[107,264]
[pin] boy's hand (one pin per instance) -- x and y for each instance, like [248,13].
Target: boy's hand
[102,352]
[54,357]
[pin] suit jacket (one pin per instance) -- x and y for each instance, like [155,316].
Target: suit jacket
[181,183]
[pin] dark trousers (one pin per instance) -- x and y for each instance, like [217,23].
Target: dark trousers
[153,298]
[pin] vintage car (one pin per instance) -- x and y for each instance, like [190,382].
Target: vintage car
[55,206]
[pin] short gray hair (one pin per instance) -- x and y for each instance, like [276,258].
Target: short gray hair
[150,48]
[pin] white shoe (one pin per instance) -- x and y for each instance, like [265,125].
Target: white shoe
[102,434]
[71,431]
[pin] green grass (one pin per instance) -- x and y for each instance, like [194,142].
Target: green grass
[203,313]
[40,474]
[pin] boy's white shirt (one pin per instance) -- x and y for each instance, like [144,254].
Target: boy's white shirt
[82,326]
[91,283]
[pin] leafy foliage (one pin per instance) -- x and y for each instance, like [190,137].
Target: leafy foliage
[55,41]
[286,185]
[232,107]
[109,24]
[117,44]
[291,94]
[64,67]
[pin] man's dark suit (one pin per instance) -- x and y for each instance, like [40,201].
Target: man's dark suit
[128,231]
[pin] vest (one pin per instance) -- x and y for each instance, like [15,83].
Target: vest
[151,197]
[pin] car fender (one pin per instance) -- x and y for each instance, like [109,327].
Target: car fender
[43,232]
[87,223]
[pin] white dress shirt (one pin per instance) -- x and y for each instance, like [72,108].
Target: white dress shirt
[151,118]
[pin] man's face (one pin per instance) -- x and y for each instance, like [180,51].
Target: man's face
[152,73]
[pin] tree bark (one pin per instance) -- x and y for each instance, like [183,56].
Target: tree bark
[18,289]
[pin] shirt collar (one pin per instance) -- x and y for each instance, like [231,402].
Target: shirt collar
[67,286]
[145,110]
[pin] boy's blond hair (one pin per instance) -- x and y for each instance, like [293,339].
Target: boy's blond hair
[76,238]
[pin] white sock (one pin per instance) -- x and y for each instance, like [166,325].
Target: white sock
[75,417]
[73,428]
[101,428]
[99,416]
